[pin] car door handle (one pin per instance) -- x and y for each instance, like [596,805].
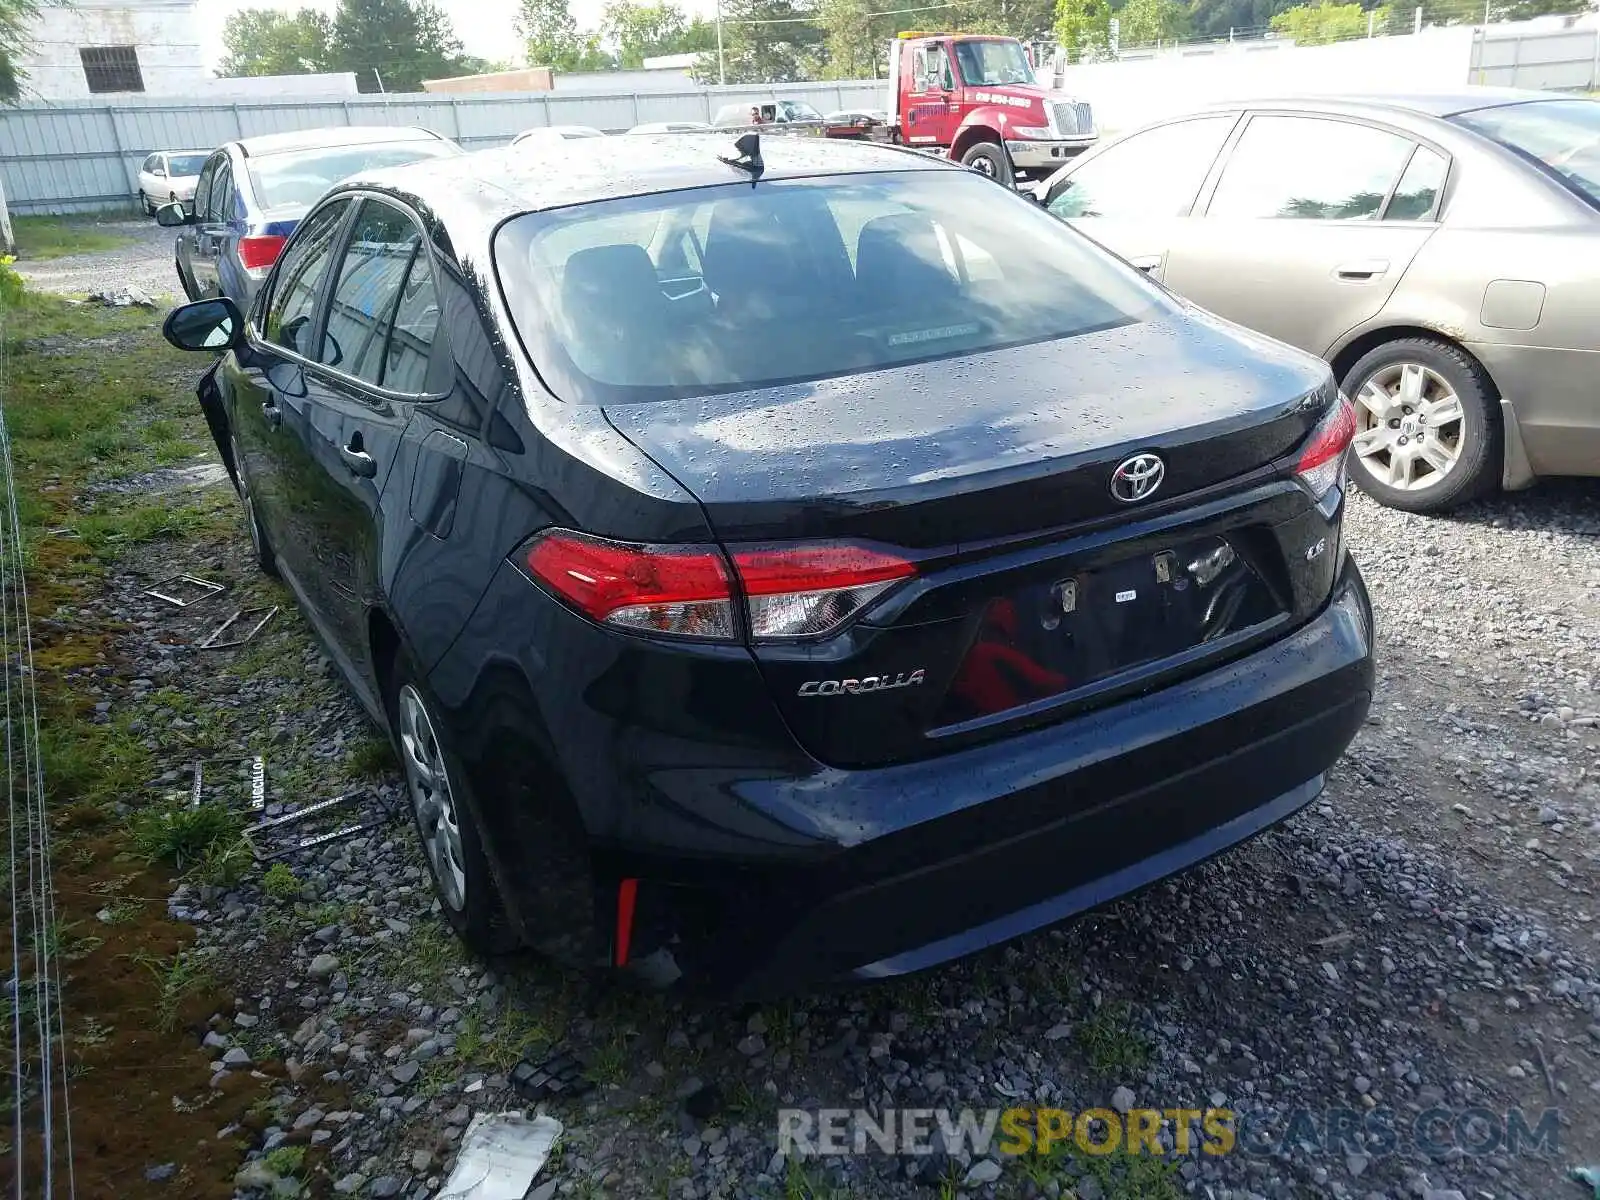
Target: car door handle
[272,413]
[359,462]
[1359,272]
[1147,262]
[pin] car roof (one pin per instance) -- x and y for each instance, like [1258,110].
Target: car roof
[526,178]
[337,135]
[1425,104]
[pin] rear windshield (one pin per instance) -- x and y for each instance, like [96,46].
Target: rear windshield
[730,287]
[1562,136]
[297,178]
[186,164]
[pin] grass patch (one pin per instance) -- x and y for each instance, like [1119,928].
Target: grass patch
[177,978]
[1111,1044]
[370,758]
[55,237]
[184,837]
[280,883]
[285,1160]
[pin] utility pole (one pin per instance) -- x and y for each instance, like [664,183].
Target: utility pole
[379,78]
[722,67]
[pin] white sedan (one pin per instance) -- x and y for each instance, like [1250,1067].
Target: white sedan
[168,177]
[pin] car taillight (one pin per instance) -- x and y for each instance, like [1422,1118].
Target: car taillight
[258,253]
[1321,464]
[784,590]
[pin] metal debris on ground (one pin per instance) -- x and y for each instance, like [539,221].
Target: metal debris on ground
[123,297]
[191,588]
[559,1075]
[501,1155]
[243,616]
[282,835]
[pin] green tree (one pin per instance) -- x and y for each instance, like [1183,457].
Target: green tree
[768,41]
[16,20]
[1083,27]
[400,42]
[1524,10]
[639,31]
[1141,22]
[265,41]
[1323,22]
[554,40]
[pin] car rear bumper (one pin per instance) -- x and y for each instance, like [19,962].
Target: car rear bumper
[943,857]
[1027,154]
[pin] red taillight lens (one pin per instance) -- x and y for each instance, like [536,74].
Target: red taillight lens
[256,254]
[806,590]
[1321,464]
[790,591]
[679,590]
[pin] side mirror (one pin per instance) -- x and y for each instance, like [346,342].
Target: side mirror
[171,215]
[159,172]
[214,324]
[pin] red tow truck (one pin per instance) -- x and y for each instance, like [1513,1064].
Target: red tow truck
[974,98]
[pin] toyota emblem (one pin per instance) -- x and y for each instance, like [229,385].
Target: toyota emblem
[1137,478]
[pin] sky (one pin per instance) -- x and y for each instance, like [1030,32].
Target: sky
[484,26]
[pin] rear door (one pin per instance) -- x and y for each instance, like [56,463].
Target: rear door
[1309,227]
[188,247]
[379,354]
[212,229]
[1135,197]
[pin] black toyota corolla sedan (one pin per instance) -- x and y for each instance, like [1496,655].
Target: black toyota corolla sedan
[807,570]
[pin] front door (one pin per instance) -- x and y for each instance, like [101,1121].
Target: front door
[1135,197]
[931,112]
[212,227]
[189,235]
[1309,227]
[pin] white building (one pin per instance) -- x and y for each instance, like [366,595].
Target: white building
[115,48]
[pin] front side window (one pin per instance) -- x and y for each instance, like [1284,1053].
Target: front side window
[219,207]
[383,313]
[152,164]
[1561,136]
[202,187]
[292,310]
[1309,169]
[298,178]
[798,110]
[993,63]
[1156,173]
[725,288]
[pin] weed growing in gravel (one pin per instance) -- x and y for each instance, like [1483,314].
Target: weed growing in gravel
[177,978]
[224,863]
[369,758]
[1112,1045]
[91,762]
[285,1160]
[184,836]
[280,883]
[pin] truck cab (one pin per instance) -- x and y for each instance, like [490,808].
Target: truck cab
[976,97]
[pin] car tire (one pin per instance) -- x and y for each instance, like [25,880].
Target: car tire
[261,547]
[989,158]
[1428,434]
[144,203]
[442,806]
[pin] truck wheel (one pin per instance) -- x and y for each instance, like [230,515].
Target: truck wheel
[989,158]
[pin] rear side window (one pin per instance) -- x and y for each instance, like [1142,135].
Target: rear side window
[1416,197]
[1156,173]
[297,178]
[202,187]
[731,287]
[384,312]
[1309,169]
[220,206]
[291,313]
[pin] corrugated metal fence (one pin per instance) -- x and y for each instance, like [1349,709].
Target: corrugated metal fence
[1561,60]
[74,156]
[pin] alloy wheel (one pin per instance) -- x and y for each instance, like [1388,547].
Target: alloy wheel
[431,798]
[1410,427]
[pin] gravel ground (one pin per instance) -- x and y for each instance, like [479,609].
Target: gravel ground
[145,262]
[1422,937]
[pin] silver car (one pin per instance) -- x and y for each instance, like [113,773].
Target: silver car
[1440,251]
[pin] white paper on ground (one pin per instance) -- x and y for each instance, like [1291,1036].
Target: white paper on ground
[500,1156]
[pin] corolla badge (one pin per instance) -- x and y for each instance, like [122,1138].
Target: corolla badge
[1137,478]
[867,683]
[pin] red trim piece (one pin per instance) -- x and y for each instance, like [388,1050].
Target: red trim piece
[627,894]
